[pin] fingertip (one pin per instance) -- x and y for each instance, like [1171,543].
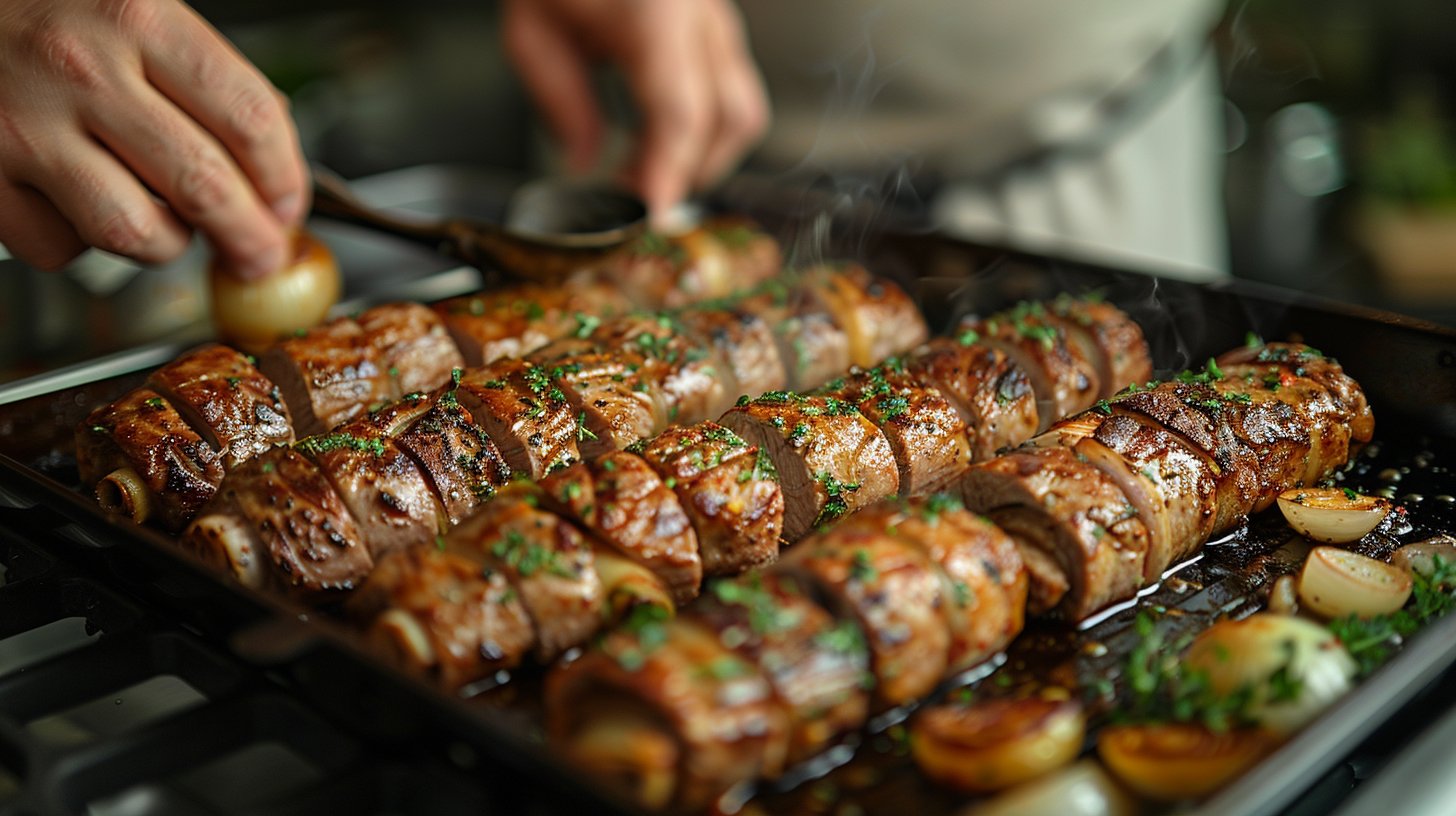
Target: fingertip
[290,209]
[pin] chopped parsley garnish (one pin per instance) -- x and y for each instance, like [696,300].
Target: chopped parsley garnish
[836,502]
[891,407]
[340,440]
[586,324]
[583,433]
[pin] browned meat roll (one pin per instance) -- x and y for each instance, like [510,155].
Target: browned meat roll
[327,376]
[830,459]
[983,579]
[925,432]
[745,342]
[513,322]
[1063,379]
[614,395]
[439,615]
[815,664]
[1068,517]
[389,497]
[894,593]
[729,489]
[546,559]
[461,461]
[1109,338]
[146,461]
[621,499]
[1292,361]
[278,521]
[226,399]
[812,346]
[992,394]
[689,376]
[877,316]
[415,351]
[527,415]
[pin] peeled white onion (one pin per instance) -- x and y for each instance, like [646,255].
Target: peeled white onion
[1335,583]
[1283,597]
[1173,761]
[1332,515]
[1421,555]
[1246,653]
[254,314]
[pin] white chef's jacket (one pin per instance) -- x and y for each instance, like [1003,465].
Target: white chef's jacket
[1080,127]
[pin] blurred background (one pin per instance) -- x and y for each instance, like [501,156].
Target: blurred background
[1339,132]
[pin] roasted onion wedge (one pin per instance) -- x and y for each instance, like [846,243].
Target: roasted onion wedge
[1332,515]
[1336,583]
[991,745]
[1173,761]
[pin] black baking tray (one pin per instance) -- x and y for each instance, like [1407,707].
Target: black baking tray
[1407,367]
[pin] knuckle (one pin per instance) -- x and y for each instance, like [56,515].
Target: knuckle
[686,115]
[125,232]
[202,186]
[67,54]
[254,118]
[135,17]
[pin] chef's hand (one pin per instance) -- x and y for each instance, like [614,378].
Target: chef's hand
[125,124]
[696,88]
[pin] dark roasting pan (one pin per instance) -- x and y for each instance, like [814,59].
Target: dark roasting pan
[1407,367]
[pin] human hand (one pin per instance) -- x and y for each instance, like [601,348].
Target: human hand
[699,94]
[124,124]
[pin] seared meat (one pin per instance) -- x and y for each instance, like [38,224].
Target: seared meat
[815,664]
[278,520]
[1300,361]
[414,349]
[1110,339]
[387,494]
[830,459]
[894,593]
[980,570]
[992,394]
[527,415]
[621,498]
[745,341]
[456,455]
[145,460]
[613,396]
[513,322]
[753,255]
[877,316]
[328,376]
[227,400]
[812,347]
[546,559]
[1047,499]
[1064,380]
[714,260]
[729,489]
[691,379]
[438,614]
[675,678]
[925,432]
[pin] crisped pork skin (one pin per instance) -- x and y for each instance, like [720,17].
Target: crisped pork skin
[227,400]
[513,322]
[327,376]
[547,560]
[415,351]
[456,455]
[877,316]
[980,569]
[729,489]
[891,589]
[613,396]
[925,432]
[277,519]
[830,459]
[745,341]
[1047,499]
[527,415]
[437,614]
[143,433]
[621,499]
[387,494]
[815,663]
[674,676]
[1063,379]
[992,394]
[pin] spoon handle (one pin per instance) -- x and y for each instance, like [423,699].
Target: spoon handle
[333,198]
